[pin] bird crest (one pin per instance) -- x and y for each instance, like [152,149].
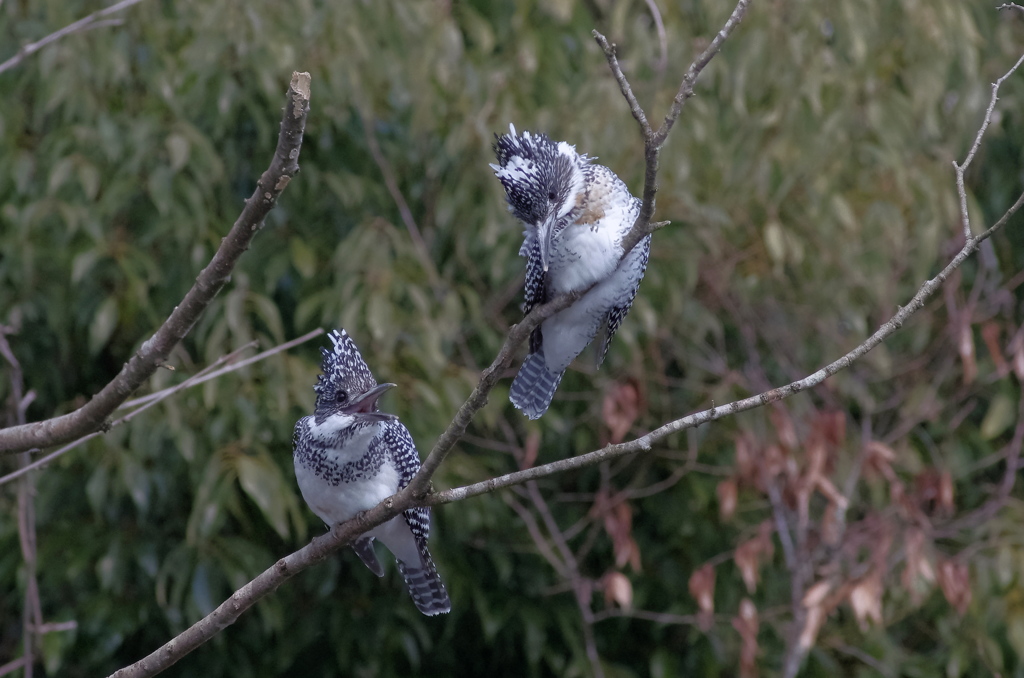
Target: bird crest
[343,369]
[541,177]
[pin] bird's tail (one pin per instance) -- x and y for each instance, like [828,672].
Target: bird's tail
[534,386]
[364,549]
[425,587]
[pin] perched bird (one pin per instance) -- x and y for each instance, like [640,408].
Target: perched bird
[350,456]
[576,214]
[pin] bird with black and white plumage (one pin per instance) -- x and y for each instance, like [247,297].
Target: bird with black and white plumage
[576,214]
[349,456]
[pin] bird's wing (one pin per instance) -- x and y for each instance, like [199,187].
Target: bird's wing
[535,287]
[618,313]
[301,426]
[395,436]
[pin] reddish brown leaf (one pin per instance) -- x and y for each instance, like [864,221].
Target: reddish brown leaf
[618,524]
[752,553]
[746,459]
[945,500]
[620,409]
[702,588]
[933,490]
[830,527]
[785,432]
[965,347]
[1018,358]
[774,461]
[746,624]
[726,491]
[990,333]
[955,581]
[617,589]
[833,427]
[878,459]
[866,599]
[814,601]
[918,575]
[815,596]
[530,450]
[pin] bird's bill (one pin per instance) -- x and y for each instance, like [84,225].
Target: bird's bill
[545,232]
[366,404]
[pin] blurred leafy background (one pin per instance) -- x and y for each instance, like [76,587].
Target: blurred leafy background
[811,191]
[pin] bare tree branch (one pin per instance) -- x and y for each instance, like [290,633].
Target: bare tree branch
[659,25]
[145,402]
[417,493]
[154,351]
[86,23]
[654,140]
[32,612]
[962,168]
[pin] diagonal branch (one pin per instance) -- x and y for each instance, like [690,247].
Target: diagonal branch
[644,443]
[93,415]
[85,23]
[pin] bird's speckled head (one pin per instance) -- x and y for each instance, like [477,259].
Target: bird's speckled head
[542,178]
[346,385]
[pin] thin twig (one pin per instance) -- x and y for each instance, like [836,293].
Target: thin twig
[634,106]
[12,666]
[32,611]
[658,617]
[205,376]
[89,22]
[653,141]
[659,25]
[581,588]
[989,509]
[962,167]
[154,351]
[543,547]
[207,373]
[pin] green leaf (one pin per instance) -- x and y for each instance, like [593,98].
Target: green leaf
[303,258]
[1001,414]
[263,482]
[179,149]
[102,325]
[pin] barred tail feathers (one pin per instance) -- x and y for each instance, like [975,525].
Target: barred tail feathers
[426,588]
[534,386]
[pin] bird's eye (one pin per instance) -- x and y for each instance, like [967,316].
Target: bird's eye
[552,196]
[341,396]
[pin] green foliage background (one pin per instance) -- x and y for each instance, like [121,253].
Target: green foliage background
[811,191]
